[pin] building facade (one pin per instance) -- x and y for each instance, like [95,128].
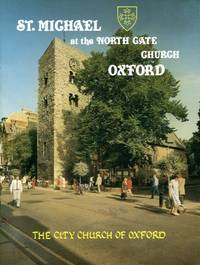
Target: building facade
[57,95]
[172,146]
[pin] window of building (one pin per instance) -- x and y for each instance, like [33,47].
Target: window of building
[46,79]
[76,99]
[45,102]
[73,99]
[44,149]
[71,77]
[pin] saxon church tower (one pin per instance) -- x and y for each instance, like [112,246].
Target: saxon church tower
[57,94]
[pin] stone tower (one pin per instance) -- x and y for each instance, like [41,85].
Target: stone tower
[57,94]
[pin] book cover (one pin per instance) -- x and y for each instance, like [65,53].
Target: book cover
[100,132]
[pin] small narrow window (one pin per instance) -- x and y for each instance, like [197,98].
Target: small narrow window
[44,149]
[71,77]
[45,102]
[46,79]
[76,99]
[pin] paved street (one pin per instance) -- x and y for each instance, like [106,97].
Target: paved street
[8,248]
[47,210]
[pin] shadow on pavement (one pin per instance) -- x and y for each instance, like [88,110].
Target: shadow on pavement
[33,201]
[67,191]
[117,198]
[28,225]
[37,193]
[142,197]
[61,198]
[194,212]
[151,208]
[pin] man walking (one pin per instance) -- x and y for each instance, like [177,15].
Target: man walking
[91,183]
[99,182]
[163,184]
[16,189]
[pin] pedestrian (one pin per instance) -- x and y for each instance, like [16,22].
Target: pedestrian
[24,180]
[75,185]
[29,184]
[155,183]
[174,195]
[129,186]
[16,189]
[124,189]
[103,183]
[10,179]
[79,187]
[33,183]
[91,183]
[162,189]
[99,182]
[181,181]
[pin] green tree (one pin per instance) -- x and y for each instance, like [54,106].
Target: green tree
[196,143]
[126,113]
[80,169]
[171,165]
[68,144]
[21,151]
[193,151]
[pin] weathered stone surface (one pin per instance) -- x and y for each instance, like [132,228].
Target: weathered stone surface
[55,66]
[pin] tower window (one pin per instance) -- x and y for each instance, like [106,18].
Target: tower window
[45,102]
[76,99]
[71,77]
[46,79]
[73,99]
[44,149]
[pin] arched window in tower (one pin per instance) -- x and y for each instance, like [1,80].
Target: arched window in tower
[46,79]
[71,77]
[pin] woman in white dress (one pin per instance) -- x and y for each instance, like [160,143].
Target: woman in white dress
[174,195]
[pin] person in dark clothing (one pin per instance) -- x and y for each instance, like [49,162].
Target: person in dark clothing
[163,184]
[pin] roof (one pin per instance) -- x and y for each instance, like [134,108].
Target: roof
[173,142]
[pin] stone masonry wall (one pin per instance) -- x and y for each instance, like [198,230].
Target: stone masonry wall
[45,113]
[63,87]
[57,61]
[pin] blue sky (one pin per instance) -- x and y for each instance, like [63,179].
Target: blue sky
[176,23]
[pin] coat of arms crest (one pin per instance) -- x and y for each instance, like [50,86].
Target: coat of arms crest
[127,16]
